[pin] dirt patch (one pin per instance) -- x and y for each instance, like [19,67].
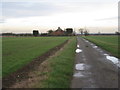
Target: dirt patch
[24,73]
[35,77]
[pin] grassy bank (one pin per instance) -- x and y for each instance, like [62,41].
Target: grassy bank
[109,43]
[18,51]
[61,67]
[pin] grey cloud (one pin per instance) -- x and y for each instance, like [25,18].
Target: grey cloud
[26,9]
[23,9]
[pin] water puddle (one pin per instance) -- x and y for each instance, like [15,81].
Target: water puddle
[98,49]
[86,41]
[78,46]
[78,75]
[91,44]
[80,66]
[105,54]
[118,64]
[78,50]
[95,46]
[101,51]
[113,59]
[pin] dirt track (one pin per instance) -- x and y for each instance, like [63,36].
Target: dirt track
[22,74]
[92,69]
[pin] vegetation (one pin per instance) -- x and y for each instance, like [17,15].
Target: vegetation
[84,31]
[50,31]
[35,32]
[109,43]
[61,67]
[18,51]
[69,31]
[81,31]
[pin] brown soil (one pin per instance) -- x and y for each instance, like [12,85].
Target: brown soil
[24,72]
[36,77]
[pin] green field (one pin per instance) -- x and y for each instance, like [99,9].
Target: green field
[19,51]
[61,67]
[109,43]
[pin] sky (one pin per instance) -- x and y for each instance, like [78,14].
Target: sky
[25,16]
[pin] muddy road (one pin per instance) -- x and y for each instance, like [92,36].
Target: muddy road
[93,67]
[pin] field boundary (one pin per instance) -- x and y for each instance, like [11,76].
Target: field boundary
[22,74]
[103,48]
[41,74]
[61,72]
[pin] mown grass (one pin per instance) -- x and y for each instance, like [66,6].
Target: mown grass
[61,68]
[18,51]
[109,43]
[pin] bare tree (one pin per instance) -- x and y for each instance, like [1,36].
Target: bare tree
[86,33]
[81,31]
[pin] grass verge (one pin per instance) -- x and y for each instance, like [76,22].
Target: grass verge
[61,68]
[109,43]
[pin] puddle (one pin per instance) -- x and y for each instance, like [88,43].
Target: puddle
[78,46]
[86,41]
[98,49]
[91,44]
[80,66]
[101,51]
[95,46]
[78,50]
[79,74]
[118,64]
[105,54]
[113,59]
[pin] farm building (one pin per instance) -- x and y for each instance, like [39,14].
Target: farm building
[58,32]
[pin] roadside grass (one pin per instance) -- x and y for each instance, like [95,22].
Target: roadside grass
[109,43]
[61,68]
[19,51]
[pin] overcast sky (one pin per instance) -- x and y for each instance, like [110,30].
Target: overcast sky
[24,16]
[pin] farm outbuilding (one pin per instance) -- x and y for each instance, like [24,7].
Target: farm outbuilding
[58,32]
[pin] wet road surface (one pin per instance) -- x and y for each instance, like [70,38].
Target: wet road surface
[92,67]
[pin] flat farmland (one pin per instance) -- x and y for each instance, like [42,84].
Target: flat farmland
[109,43]
[19,51]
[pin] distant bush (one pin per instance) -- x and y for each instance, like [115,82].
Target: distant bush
[35,33]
